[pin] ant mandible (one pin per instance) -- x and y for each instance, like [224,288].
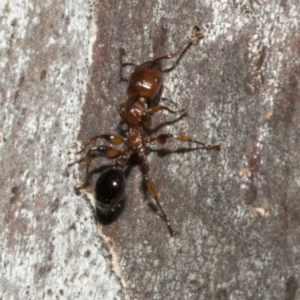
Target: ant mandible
[144,85]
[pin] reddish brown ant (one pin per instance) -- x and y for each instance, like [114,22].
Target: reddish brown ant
[144,85]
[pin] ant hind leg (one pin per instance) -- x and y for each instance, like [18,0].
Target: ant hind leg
[107,151]
[153,193]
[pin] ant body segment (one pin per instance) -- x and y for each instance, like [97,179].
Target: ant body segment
[144,85]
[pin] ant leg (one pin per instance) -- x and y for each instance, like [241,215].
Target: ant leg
[193,39]
[158,108]
[121,108]
[153,193]
[146,117]
[122,65]
[162,138]
[112,139]
[109,152]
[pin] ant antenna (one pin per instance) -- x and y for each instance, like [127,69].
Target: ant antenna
[193,39]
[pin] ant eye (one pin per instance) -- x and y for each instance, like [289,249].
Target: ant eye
[156,80]
[109,188]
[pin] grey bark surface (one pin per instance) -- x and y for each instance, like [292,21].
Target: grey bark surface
[235,212]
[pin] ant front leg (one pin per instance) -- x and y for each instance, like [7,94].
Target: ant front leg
[146,118]
[162,138]
[122,64]
[121,109]
[107,151]
[158,108]
[153,193]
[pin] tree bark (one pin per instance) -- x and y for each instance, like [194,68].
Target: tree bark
[235,212]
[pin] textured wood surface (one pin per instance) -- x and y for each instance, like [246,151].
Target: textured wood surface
[236,212]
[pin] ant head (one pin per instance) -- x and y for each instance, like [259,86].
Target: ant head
[146,81]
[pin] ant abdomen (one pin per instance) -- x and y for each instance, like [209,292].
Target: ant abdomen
[109,190]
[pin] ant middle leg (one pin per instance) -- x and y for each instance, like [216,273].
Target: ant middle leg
[107,151]
[153,193]
[162,139]
[112,139]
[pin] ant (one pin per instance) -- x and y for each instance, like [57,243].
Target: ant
[144,86]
